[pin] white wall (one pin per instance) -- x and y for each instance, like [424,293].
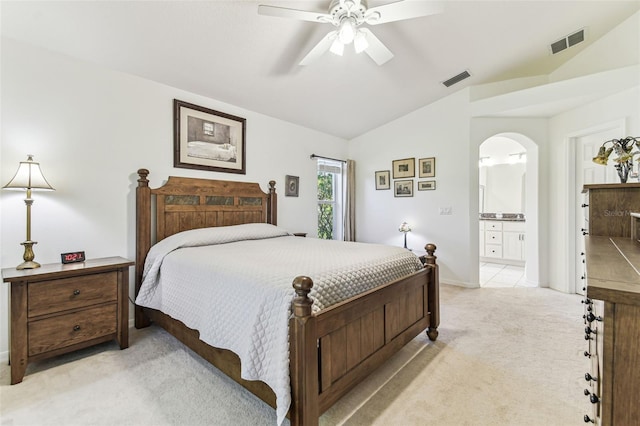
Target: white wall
[439,130]
[92,129]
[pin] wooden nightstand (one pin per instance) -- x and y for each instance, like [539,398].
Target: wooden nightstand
[61,308]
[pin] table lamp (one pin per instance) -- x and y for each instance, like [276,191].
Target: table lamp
[404,228]
[29,176]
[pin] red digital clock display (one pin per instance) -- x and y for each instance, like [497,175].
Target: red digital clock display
[73,257]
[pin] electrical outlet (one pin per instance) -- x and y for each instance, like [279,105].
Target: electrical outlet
[445,210]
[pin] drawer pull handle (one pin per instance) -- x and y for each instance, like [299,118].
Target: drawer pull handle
[592,396]
[76,328]
[590,317]
[76,292]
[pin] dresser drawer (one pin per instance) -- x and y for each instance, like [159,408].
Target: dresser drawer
[71,293]
[66,330]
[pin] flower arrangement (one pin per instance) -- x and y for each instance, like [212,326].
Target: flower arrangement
[624,150]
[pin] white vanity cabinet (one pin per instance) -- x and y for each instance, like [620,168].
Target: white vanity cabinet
[502,241]
[513,240]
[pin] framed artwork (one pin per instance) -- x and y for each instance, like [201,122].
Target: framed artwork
[291,186]
[403,188]
[427,167]
[426,185]
[205,139]
[383,180]
[405,168]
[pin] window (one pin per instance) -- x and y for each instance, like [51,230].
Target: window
[330,199]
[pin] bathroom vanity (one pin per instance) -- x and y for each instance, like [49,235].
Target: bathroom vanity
[502,238]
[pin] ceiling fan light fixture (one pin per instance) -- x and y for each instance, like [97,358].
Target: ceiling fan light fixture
[337,48]
[360,43]
[347,31]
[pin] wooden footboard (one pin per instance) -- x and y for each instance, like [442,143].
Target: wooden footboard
[332,351]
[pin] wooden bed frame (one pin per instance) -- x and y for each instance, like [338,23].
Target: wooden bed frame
[330,351]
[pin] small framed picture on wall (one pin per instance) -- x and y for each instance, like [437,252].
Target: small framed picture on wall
[403,188]
[383,179]
[427,167]
[426,185]
[291,186]
[405,168]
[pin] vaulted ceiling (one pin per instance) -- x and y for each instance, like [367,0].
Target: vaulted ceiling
[226,51]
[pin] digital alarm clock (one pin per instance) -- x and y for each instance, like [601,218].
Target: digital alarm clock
[73,257]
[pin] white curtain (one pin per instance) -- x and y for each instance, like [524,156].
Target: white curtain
[349,192]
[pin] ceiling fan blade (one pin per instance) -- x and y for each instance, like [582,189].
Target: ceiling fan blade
[376,50]
[283,12]
[400,10]
[319,48]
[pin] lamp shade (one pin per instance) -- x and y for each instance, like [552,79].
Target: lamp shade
[404,227]
[29,176]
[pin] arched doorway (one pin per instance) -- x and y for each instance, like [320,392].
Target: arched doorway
[508,206]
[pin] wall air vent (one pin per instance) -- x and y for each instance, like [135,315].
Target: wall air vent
[568,41]
[456,79]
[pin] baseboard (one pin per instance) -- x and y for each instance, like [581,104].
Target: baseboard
[501,261]
[459,283]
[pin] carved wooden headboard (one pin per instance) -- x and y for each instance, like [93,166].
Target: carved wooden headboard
[183,203]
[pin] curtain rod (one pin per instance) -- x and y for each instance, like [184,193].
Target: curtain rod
[326,158]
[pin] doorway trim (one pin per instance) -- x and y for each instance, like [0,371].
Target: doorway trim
[573,284]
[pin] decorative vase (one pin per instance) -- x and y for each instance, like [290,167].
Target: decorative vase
[623,170]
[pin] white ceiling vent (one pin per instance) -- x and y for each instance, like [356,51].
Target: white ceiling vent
[456,79]
[568,41]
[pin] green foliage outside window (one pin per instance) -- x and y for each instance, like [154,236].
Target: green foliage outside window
[326,204]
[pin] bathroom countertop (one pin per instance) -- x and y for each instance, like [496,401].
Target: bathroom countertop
[506,217]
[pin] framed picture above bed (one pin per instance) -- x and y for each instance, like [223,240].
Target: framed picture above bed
[405,168]
[205,139]
[383,180]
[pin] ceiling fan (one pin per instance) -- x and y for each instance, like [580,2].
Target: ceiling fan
[348,16]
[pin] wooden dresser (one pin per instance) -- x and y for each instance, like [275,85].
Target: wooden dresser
[61,308]
[612,305]
[609,207]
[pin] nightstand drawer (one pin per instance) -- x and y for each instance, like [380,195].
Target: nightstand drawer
[66,330]
[70,293]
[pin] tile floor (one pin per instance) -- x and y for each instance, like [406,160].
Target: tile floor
[497,275]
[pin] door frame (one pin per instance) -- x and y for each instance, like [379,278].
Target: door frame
[573,230]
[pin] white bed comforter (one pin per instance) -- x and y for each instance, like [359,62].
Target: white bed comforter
[234,285]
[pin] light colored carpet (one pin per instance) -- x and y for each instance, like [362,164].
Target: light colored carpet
[505,356]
